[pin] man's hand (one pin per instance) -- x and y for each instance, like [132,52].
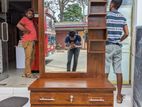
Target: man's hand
[77,46]
[126,33]
[72,45]
[23,28]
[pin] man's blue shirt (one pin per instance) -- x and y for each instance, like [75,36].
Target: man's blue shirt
[76,40]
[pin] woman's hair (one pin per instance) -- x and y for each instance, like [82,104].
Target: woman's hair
[116,3]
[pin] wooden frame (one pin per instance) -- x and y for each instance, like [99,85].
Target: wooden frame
[89,73]
[41,36]
[41,50]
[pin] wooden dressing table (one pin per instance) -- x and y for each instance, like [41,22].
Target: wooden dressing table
[89,89]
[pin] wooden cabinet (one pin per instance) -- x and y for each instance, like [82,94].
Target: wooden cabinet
[97,36]
[72,92]
[74,98]
[89,89]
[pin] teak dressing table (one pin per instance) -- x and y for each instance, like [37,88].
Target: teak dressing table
[89,89]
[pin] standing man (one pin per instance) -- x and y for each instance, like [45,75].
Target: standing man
[27,26]
[116,26]
[73,44]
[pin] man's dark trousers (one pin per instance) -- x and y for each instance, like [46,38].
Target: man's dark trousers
[72,52]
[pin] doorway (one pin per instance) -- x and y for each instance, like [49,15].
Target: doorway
[11,11]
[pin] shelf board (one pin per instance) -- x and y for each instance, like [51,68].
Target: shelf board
[97,14]
[97,40]
[96,2]
[96,52]
[91,28]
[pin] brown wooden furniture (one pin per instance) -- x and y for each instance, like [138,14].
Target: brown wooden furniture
[96,37]
[89,89]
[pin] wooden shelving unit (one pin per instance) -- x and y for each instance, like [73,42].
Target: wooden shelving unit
[96,36]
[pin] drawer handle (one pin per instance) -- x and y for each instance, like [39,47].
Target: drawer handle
[71,98]
[46,99]
[96,100]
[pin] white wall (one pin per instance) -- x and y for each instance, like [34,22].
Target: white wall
[136,14]
[139,13]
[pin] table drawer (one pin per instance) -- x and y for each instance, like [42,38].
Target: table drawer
[67,106]
[72,98]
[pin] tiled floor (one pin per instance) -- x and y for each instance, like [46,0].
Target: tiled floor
[15,79]
[16,85]
[127,102]
[6,92]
